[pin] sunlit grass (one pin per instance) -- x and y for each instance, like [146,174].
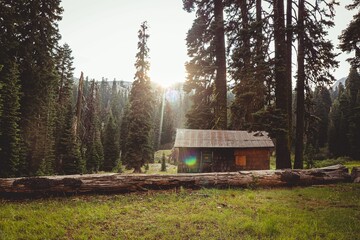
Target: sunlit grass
[154,168]
[331,212]
[324,163]
[159,154]
[344,161]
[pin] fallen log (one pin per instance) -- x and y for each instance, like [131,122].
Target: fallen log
[121,183]
[355,174]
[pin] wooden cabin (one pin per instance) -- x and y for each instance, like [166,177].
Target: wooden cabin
[200,151]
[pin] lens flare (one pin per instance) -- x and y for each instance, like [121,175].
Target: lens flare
[190,161]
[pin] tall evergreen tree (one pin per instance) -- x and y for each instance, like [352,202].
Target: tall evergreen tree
[322,104]
[220,90]
[1,99]
[350,37]
[168,126]
[138,144]
[38,80]
[289,48]
[281,87]
[124,131]
[10,93]
[9,121]
[248,68]
[206,70]
[111,146]
[339,124]
[64,68]
[353,93]
[300,89]
[92,140]
[315,59]
[352,85]
[69,149]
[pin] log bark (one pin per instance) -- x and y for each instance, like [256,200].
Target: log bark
[121,183]
[355,174]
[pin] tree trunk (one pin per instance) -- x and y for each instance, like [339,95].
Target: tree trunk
[119,183]
[282,137]
[220,79]
[289,36]
[260,67]
[79,105]
[246,36]
[300,99]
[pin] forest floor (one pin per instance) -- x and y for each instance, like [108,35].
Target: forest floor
[318,212]
[172,169]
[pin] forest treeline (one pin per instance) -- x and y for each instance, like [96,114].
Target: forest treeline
[51,125]
[263,38]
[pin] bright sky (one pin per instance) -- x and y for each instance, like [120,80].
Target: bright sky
[103,37]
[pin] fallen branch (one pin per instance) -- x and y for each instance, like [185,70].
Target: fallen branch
[120,183]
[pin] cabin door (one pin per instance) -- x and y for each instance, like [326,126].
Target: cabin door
[206,161]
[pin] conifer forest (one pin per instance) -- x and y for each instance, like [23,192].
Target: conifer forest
[252,65]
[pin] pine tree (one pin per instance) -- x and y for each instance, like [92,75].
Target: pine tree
[38,80]
[339,125]
[247,60]
[281,86]
[138,144]
[9,90]
[64,62]
[1,100]
[350,37]
[315,60]
[64,67]
[206,79]
[300,89]
[353,94]
[322,104]
[69,154]
[352,85]
[168,126]
[163,163]
[111,146]
[104,100]
[220,87]
[124,134]
[9,121]
[92,145]
[200,115]
[117,104]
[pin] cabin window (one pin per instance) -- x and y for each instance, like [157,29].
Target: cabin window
[241,161]
[207,157]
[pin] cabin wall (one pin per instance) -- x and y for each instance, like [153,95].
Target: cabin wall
[188,160]
[252,159]
[197,160]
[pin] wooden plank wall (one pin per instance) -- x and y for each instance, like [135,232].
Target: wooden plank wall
[256,158]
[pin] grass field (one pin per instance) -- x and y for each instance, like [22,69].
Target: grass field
[322,212]
[349,163]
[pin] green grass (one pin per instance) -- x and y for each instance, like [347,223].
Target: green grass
[323,212]
[158,155]
[347,162]
[154,168]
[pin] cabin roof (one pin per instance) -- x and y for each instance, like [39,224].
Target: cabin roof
[192,138]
